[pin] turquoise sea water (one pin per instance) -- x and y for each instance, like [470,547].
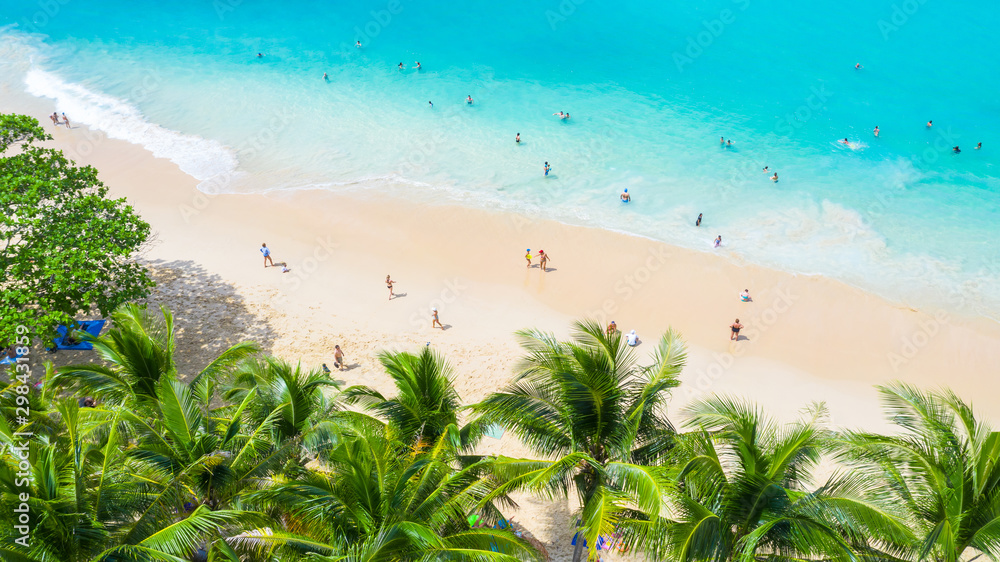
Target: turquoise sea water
[651,87]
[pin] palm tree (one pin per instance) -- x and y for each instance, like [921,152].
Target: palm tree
[294,397]
[369,502]
[599,416]
[426,403]
[942,472]
[88,501]
[741,493]
[140,351]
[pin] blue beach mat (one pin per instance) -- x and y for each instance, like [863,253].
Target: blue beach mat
[10,360]
[92,327]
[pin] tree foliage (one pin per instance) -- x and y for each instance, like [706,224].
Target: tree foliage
[65,246]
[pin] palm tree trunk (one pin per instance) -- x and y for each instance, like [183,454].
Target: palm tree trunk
[578,550]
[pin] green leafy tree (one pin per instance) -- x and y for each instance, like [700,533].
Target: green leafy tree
[376,501]
[65,247]
[426,403]
[942,472]
[588,404]
[741,493]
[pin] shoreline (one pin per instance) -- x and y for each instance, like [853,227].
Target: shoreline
[470,264]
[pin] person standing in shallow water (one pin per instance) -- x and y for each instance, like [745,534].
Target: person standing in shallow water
[547,168]
[698,222]
[517,138]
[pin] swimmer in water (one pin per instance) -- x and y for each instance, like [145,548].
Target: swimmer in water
[430,103]
[718,242]
[567,115]
[401,66]
[325,77]
[698,222]
[766,169]
[358,44]
[626,197]
[560,114]
[956,150]
[468,100]
[547,168]
[929,123]
[876,130]
[846,142]
[858,66]
[418,65]
[729,143]
[722,140]
[774,178]
[517,138]
[260,55]
[978,146]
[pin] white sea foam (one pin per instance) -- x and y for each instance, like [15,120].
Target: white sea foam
[198,157]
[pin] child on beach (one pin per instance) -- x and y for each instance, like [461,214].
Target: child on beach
[267,254]
[718,242]
[338,358]
[528,256]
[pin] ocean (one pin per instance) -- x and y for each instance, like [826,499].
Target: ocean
[650,87]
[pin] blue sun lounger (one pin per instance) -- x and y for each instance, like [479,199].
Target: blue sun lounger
[92,327]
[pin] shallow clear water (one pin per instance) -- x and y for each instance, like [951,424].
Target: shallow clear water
[651,87]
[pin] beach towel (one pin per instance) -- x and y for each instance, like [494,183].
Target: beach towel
[92,327]
[10,360]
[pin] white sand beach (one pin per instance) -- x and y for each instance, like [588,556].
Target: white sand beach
[806,338]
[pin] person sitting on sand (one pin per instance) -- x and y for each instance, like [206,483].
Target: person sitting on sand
[435,321]
[326,370]
[626,197]
[735,327]
[631,339]
[718,242]
[612,328]
[745,295]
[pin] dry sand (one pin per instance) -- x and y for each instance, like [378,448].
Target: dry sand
[807,338]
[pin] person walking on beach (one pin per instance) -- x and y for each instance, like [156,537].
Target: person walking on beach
[735,327]
[543,259]
[547,168]
[338,358]
[698,222]
[389,283]
[612,328]
[435,321]
[528,256]
[267,254]
[55,119]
